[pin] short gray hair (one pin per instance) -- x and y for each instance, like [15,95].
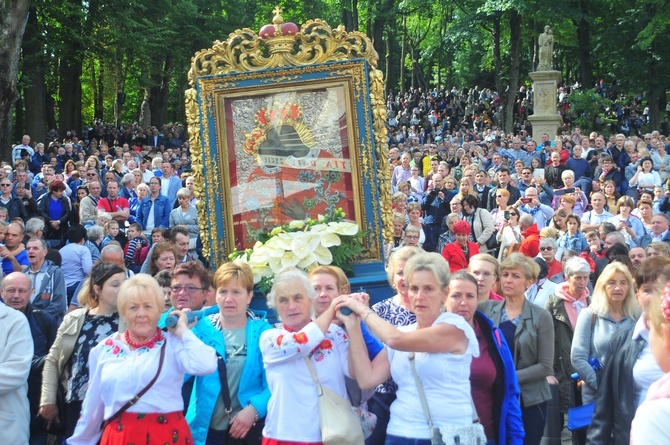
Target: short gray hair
[34,225]
[412,229]
[289,274]
[576,265]
[94,232]
[548,242]
[127,178]
[183,193]
[429,261]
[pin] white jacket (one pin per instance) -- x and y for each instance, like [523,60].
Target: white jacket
[16,354]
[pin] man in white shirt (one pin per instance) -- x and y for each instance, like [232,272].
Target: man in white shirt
[24,145]
[592,219]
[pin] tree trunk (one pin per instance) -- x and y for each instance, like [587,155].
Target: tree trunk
[69,106]
[158,96]
[13,19]
[514,71]
[34,91]
[99,109]
[403,46]
[497,58]
[584,41]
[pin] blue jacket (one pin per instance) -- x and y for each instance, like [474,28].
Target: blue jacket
[510,425]
[253,389]
[162,209]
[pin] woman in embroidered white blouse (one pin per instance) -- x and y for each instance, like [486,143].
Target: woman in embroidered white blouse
[293,410]
[443,343]
[125,364]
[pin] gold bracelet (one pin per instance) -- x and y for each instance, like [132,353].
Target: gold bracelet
[370,311]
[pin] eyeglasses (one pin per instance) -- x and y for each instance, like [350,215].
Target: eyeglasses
[90,174]
[411,237]
[499,196]
[5,185]
[11,291]
[544,249]
[190,290]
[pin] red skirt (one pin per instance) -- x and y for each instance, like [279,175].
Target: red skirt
[267,441]
[147,428]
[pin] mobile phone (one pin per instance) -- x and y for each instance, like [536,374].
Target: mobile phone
[507,215]
[570,190]
[526,200]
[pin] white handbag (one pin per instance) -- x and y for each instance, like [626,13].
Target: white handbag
[339,425]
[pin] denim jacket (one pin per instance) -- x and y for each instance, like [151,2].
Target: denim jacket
[162,211]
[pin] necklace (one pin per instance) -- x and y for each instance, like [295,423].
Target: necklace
[147,344]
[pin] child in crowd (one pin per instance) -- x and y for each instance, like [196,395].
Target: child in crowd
[111,231]
[134,246]
[573,239]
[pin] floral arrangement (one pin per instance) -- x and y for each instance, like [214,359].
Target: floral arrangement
[326,240]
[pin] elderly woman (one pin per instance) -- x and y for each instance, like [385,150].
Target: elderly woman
[399,203]
[93,242]
[54,207]
[527,328]
[135,202]
[235,336]
[186,215]
[632,369]
[67,366]
[548,251]
[414,214]
[630,226]
[480,220]
[580,199]
[447,235]
[134,390]
[397,311]
[444,345]
[293,410]
[163,257]
[459,252]
[495,390]
[569,298]
[613,308]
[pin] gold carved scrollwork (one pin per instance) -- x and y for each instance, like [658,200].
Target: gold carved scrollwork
[382,150]
[193,122]
[316,42]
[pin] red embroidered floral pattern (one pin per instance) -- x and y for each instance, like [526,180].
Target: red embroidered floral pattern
[300,338]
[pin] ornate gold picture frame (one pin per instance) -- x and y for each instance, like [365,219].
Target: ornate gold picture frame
[285,127]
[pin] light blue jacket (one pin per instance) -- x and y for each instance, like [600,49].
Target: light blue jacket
[253,389]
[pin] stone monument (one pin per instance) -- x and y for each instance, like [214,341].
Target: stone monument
[545,84]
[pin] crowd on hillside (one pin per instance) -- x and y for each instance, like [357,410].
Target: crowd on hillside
[518,260]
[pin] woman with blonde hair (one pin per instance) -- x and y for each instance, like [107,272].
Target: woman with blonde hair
[67,365]
[529,333]
[466,188]
[613,308]
[658,248]
[397,311]
[134,391]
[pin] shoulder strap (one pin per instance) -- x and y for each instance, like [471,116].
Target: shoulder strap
[137,397]
[422,395]
[223,377]
[315,378]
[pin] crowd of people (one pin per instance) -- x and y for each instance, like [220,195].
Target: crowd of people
[517,261]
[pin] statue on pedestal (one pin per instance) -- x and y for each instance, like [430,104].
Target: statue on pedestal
[546,42]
